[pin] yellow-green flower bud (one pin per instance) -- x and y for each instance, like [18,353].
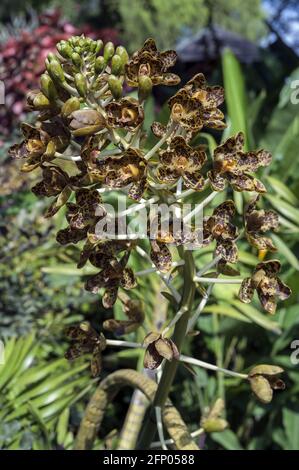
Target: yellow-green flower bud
[48,87]
[51,56]
[71,105]
[99,45]
[99,64]
[145,87]
[80,84]
[122,52]
[108,50]
[115,86]
[116,65]
[214,425]
[76,59]
[37,100]
[56,71]
[66,51]
[81,41]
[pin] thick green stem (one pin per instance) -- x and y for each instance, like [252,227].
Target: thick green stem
[170,368]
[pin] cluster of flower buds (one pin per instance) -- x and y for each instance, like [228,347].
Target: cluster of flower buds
[89,139]
[22,60]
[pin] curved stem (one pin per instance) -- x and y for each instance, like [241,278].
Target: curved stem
[105,393]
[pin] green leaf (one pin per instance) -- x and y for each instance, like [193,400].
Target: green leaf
[149,113]
[283,207]
[287,149]
[285,251]
[227,439]
[37,417]
[47,386]
[36,374]
[291,425]
[254,315]
[282,190]
[247,258]
[212,144]
[238,199]
[235,96]
[254,108]
[62,426]
[226,310]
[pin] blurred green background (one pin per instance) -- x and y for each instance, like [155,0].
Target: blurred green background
[250,47]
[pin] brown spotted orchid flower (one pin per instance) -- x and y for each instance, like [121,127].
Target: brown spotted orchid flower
[161,236]
[157,349]
[258,222]
[263,380]
[196,105]
[233,165]
[128,169]
[113,275]
[133,309]
[96,249]
[90,154]
[86,340]
[40,144]
[81,216]
[126,113]
[266,282]
[55,182]
[181,160]
[219,227]
[148,61]
[160,254]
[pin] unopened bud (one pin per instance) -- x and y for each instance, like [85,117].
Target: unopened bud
[145,87]
[51,56]
[116,65]
[108,51]
[71,105]
[56,71]
[214,425]
[81,84]
[82,41]
[37,100]
[76,59]
[99,45]
[115,86]
[48,87]
[121,51]
[99,64]
[65,51]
